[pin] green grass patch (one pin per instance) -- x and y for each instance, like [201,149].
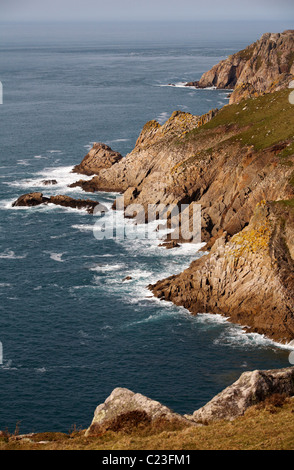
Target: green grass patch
[263,121]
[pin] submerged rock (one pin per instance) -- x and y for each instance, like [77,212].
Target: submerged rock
[126,410]
[49,182]
[169,245]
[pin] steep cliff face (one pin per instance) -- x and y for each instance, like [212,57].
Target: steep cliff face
[152,156]
[263,67]
[249,279]
[242,155]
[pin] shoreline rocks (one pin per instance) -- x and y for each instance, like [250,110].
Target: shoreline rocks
[101,156]
[248,279]
[36,199]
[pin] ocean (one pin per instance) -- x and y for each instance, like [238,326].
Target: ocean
[70,328]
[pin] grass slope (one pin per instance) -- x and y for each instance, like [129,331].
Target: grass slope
[269,426]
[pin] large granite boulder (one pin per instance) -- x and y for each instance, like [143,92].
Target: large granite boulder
[251,389]
[125,410]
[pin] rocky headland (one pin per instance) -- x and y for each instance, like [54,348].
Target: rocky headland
[248,279]
[263,67]
[237,163]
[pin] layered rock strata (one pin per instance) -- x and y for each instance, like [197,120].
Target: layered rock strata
[249,279]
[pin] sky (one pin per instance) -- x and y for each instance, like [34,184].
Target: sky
[145,10]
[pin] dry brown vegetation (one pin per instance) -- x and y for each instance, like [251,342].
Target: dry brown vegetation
[268,426]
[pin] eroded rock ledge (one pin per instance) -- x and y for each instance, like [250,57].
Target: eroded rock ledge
[125,411]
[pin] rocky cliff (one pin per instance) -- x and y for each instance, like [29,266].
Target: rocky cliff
[248,146]
[249,279]
[227,161]
[146,164]
[263,67]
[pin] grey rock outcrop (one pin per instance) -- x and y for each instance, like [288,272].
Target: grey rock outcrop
[125,409]
[251,389]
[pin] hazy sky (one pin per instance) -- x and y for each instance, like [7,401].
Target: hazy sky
[85,10]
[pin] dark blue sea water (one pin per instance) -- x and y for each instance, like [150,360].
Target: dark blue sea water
[71,330]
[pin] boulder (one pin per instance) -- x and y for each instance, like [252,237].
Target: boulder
[30,200]
[126,410]
[67,201]
[251,389]
[169,245]
[100,157]
[49,182]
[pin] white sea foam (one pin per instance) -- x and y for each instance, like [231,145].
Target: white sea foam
[62,174]
[107,268]
[57,257]
[9,254]
[23,162]
[183,85]
[235,336]
[114,141]
[206,318]
[83,227]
